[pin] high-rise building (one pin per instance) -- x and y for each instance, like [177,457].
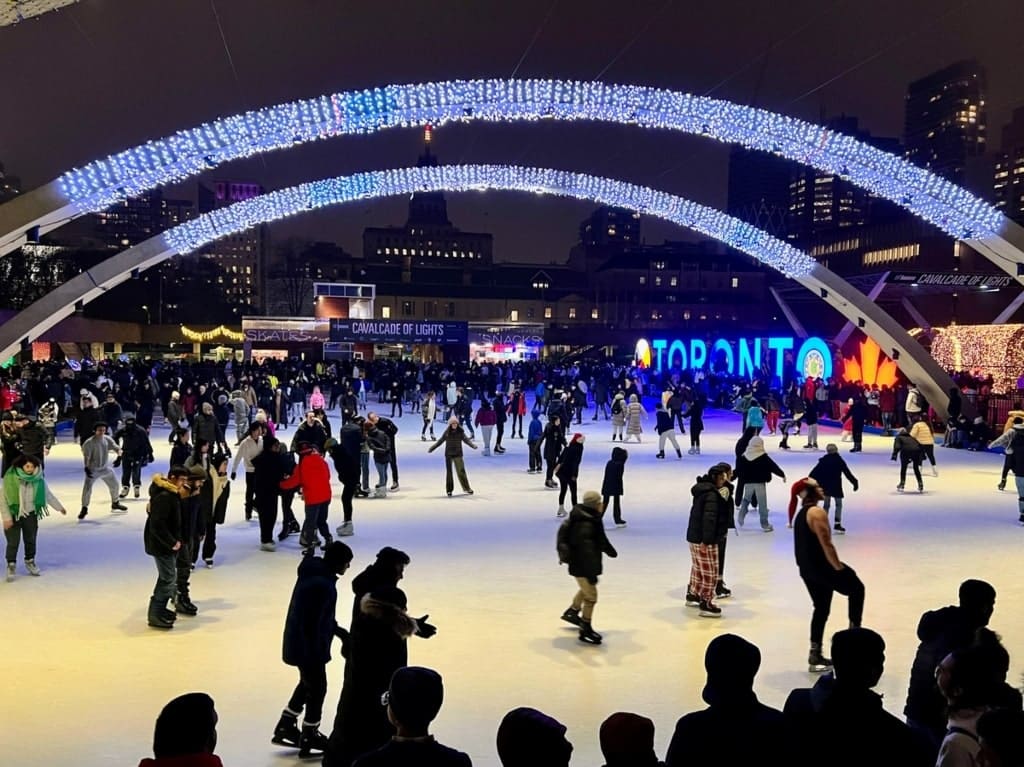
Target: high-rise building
[945,119]
[10,186]
[609,226]
[240,256]
[759,189]
[428,238]
[136,219]
[1008,186]
[822,202]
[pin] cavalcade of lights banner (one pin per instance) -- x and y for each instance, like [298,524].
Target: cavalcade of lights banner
[190,152]
[743,357]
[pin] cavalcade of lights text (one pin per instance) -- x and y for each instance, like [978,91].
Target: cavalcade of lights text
[189,152]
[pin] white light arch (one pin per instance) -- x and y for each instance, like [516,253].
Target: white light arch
[189,152]
[192,235]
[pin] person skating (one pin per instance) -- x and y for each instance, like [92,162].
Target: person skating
[554,441]
[635,413]
[24,500]
[829,473]
[534,436]
[857,415]
[581,542]
[612,484]
[314,477]
[309,629]
[163,539]
[312,431]
[567,469]
[909,451]
[136,453]
[696,415]
[755,469]
[453,439]
[249,448]
[181,448]
[618,416]
[429,413]
[33,439]
[96,453]
[821,570]
[345,455]
[517,409]
[269,470]
[1004,441]
[213,506]
[380,445]
[89,414]
[922,432]
[500,418]
[49,412]
[485,418]
[709,522]
[206,426]
[174,414]
[666,431]
[811,419]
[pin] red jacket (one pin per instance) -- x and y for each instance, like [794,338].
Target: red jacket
[314,476]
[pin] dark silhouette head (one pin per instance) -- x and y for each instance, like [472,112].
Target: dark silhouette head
[858,656]
[966,678]
[1001,733]
[337,557]
[415,696]
[530,738]
[627,740]
[187,725]
[978,599]
[732,663]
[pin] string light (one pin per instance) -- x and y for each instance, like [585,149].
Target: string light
[201,231]
[989,349]
[189,152]
[198,336]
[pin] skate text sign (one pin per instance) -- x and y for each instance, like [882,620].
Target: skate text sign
[745,357]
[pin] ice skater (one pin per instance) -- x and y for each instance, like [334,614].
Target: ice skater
[612,485]
[709,522]
[567,470]
[96,452]
[163,540]
[24,500]
[453,439]
[829,473]
[666,431]
[618,415]
[922,432]
[581,543]
[754,470]
[634,414]
[909,452]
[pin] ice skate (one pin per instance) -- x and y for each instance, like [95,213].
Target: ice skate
[345,529]
[32,567]
[572,615]
[11,575]
[588,635]
[312,742]
[709,609]
[286,733]
[692,600]
[816,662]
[561,512]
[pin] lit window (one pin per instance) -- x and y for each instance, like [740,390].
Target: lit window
[572,312]
[643,279]
[657,282]
[735,282]
[593,314]
[547,312]
[385,312]
[673,281]
[514,315]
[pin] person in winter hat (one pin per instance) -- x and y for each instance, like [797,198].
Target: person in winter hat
[164,537]
[666,431]
[618,415]
[240,409]
[755,469]
[530,738]
[453,439]
[534,436]
[136,453]
[821,570]
[314,477]
[709,522]
[909,451]
[612,485]
[429,412]
[567,469]
[24,500]
[186,733]
[581,542]
[309,629]
[829,473]
[627,740]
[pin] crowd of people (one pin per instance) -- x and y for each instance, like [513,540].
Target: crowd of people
[189,499]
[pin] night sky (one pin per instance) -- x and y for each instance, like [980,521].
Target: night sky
[102,75]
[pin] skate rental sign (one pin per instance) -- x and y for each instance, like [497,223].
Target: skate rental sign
[744,357]
[387,331]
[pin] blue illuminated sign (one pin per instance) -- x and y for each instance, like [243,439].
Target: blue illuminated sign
[744,358]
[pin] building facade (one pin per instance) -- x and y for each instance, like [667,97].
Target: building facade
[240,256]
[1008,184]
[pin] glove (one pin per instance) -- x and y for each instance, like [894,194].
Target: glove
[232,475]
[856,486]
[149,460]
[117,462]
[88,472]
[342,635]
[424,630]
[894,458]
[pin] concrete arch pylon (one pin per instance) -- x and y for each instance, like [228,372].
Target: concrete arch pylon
[189,152]
[192,235]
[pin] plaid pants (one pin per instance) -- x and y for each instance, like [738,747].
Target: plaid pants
[704,570]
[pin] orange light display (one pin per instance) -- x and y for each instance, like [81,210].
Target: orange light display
[871,369]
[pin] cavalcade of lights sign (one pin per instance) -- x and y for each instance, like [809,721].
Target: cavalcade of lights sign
[744,358]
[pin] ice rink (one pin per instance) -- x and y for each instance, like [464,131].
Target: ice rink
[84,677]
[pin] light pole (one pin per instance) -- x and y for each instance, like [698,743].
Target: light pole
[145,308]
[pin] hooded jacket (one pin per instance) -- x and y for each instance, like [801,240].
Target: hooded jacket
[569,461]
[314,476]
[206,426]
[163,517]
[310,625]
[829,473]
[613,473]
[756,466]
[905,446]
[581,542]
[452,440]
[710,513]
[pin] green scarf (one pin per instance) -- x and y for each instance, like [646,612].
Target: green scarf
[12,491]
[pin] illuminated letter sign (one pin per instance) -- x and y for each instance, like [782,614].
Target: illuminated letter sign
[813,358]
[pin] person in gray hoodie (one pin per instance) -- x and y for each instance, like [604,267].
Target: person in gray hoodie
[96,452]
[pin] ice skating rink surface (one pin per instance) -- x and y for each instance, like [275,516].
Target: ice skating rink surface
[84,677]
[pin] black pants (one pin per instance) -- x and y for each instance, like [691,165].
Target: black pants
[677,416]
[858,435]
[131,469]
[396,402]
[566,484]
[348,492]
[721,557]
[929,453]
[822,586]
[517,418]
[287,515]
[499,429]
[550,471]
[183,564]
[204,537]
[695,435]
[310,693]
[536,464]
[916,463]
[250,493]
[616,507]
[393,460]
[266,508]
[1007,465]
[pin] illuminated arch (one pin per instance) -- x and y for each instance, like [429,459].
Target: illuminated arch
[193,235]
[189,152]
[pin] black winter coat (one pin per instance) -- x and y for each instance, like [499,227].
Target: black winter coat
[664,421]
[163,520]
[857,413]
[710,514]
[760,469]
[268,470]
[554,441]
[310,625]
[709,736]
[207,427]
[613,472]
[906,447]
[582,541]
[377,648]
[134,442]
[569,461]
[829,473]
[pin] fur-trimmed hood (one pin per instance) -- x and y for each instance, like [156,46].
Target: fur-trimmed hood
[387,612]
[161,482]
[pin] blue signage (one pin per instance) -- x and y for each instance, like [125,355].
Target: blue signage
[392,331]
[813,358]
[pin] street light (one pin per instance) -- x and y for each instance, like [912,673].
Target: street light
[146,309]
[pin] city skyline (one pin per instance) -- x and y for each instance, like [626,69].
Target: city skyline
[792,53]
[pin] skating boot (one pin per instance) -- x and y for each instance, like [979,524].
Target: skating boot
[690,451]
[183,605]
[345,529]
[83,513]
[709,609]
[138,491]
[561,512]
[124,492]
[838,529]
[588,635]
[692,600]
[659,455]
[156,618]
[1001,485]
[286,733]
[679,454]
[816,662]
[166,612]
[118,508]
[697,449]
[572,615]
[32,567]
[312,742]
[920,487]
[11,576]
[899,488]
[721,591]
[935,471]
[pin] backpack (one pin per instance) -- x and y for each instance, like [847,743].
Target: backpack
[617,407]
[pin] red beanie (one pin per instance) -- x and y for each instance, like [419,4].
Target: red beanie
[799,490]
